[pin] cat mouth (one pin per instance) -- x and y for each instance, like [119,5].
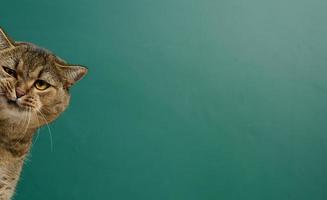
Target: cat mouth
[13,103]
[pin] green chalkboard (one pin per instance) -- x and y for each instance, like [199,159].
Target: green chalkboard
[184,100]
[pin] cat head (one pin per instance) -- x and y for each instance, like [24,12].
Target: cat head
[34,83]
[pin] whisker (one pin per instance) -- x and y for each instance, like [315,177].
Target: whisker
[23,119]
[50,134]
[38,131]
[29,120]
[26,127]
[46,110]
[37,136]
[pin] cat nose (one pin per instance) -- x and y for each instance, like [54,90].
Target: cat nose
[19,92]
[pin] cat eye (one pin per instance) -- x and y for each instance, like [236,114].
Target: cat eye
[41,85]
[9,71]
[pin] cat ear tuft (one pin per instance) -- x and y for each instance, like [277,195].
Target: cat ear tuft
[5,41]
[72,73]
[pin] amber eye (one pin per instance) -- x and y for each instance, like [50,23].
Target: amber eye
[41,85]
[9,71]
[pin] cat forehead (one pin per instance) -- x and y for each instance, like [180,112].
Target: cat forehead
[30,56]
[34,55]
[33,67]
[34,63]
[39,72]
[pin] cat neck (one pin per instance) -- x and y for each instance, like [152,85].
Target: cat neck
[14,146]
[16,143]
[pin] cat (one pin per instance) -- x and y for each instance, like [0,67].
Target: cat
[34,91]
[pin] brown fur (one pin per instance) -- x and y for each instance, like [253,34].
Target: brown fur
[23,107]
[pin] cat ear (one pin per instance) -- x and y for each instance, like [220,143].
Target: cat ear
[72,73]
[5,41]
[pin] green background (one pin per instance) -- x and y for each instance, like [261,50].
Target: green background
[184,100]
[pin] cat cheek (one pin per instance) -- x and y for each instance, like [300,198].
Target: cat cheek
[37,104]
[8,89]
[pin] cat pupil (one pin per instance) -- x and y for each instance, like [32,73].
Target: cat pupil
[41,85]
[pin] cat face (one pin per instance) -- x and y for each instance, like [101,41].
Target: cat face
[34,83]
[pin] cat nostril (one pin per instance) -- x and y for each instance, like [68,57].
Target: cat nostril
[19,92]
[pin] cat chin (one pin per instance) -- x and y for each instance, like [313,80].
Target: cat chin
[20,116]
[13,111]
